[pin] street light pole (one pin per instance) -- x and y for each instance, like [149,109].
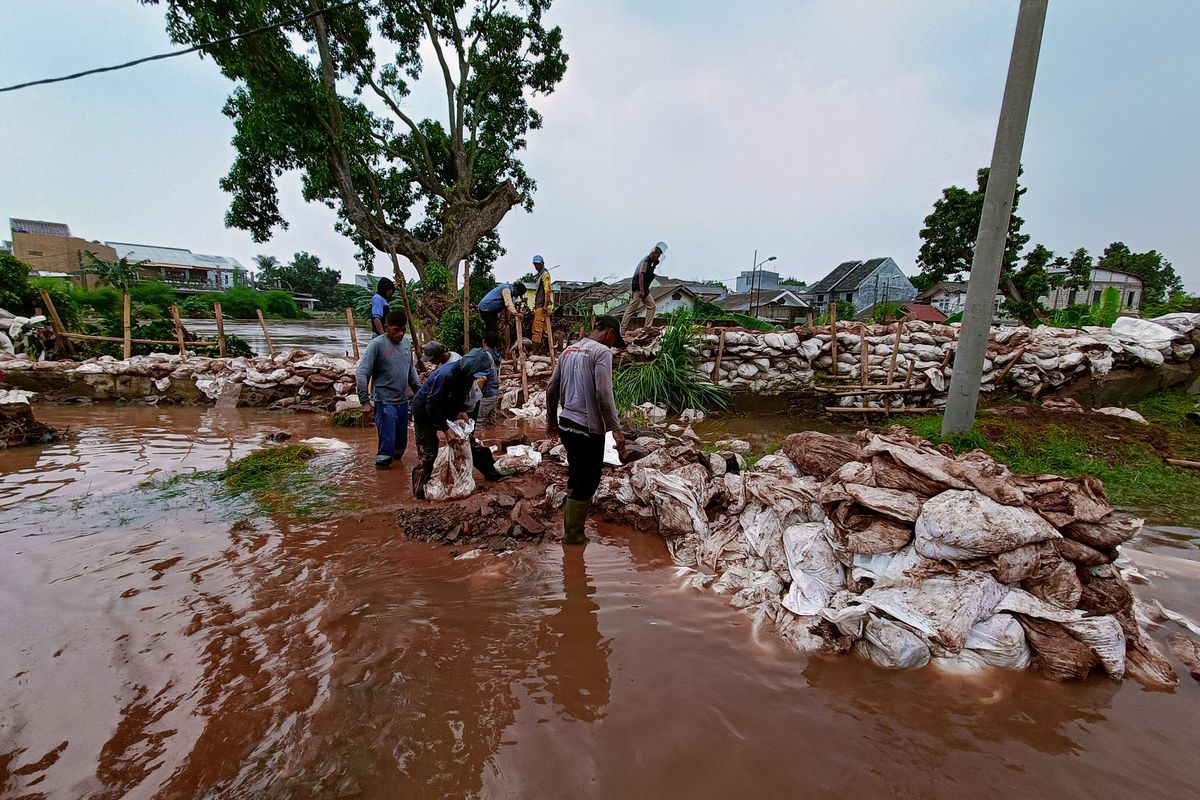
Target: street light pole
[753,272]
[963,398]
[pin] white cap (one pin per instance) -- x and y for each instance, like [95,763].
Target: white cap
[662,246]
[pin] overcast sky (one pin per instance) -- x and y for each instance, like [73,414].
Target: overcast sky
[813,131]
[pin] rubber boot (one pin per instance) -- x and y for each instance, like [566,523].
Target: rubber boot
[574,518]
[483,460]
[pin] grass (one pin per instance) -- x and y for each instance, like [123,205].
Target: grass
[1134,472]
[671,377]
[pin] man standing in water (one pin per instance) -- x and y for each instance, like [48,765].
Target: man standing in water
[582,384]
[385,290]
[643,276]
[387,369]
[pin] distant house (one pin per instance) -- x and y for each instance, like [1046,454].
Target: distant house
[950,297]
[6,247]
[1129,286]
[761,279]
[862,283]
[183,270]
[50,248]
[780,306]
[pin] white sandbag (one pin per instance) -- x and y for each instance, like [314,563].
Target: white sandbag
[1124,413]
[453,475]
[816,573]
[1143,332]
[761,527]
[890,645]
[1000,641]
[677,504]
[764,586]
[611,456]
[1104,636]
[519,458]
[1148,356]
[959,524]
[1020,601]
[892,567]
[943,609]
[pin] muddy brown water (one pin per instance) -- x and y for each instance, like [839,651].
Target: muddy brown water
[172,643]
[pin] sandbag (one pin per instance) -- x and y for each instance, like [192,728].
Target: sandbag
[1104,592]
[1080,553]
[899,565]
[677,504]
[816,573]
[1187,650]
[1063,501]
[1109,532]
[1143,332]
[1056,652]
[819,454]
[453,474]
[1011,566]
[890,645]
[1104,637]
[999,640]
[942,609]
[1055,581]
[959,525]
[519,458]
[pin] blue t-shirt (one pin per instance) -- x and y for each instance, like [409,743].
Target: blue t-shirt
[379,310]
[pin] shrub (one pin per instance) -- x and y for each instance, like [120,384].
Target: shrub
[279,303]
[451,331]
[63,295]
[154,295]
[671,378]
[198,307]
[238,302]
[16,296]
[102,300]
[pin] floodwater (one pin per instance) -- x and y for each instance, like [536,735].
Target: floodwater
[330,336]
[166,642]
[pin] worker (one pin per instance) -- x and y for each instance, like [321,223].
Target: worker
[582,384]
[491,383]
[387,368]
[498,300]
[445,396]
[543,303]
[385,290]
[643,276]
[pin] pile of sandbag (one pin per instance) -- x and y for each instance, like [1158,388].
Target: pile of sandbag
[901,552]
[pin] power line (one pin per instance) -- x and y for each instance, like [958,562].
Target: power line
[160,56]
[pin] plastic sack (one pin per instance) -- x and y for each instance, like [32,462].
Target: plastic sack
[1143,332]
[999,640]
[891,645]
[519,458]
[942,609]
[453,475]
[677,505]
[959,525]
[816,573]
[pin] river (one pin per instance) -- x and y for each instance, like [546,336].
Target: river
[330,336]
[163,642]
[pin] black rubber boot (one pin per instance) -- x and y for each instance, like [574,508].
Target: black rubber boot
[483,460]
[575,514]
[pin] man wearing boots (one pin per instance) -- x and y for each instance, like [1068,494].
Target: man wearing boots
[543,304]
[582,385]
[643,276]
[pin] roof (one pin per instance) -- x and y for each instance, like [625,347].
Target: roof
[173,255]
[741,301]
[950,287]
[845,276]
[659,292]
[698,288]
[37,226]
[922,312]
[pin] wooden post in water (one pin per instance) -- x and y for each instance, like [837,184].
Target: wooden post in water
[178,329]
[833,335]
[126,326]
[466,306]
[521,363]
[220,329]
[353,332]
[266,334]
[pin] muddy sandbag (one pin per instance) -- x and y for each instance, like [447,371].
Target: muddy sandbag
[819,454]
[1187,650]
[519,458]
[858,531]
[762,529]
[1080,553]
[763,587]
[895,566]
[1055,581]
[816,573]
[787,496]
[1104,592]
[724,544]
[1000,641]
[890,645]
[1104,637]
[1146,665]
[1056,653]
[1011,566]
[958,525]
[891,474]
[1108,532]
[803,633]
[943,609]
[929,465]
[453,474]
[677,504]
[1063,501]
[988,476]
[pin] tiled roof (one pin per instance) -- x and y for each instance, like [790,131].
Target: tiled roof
[37,226]
[923,312]
[740,301]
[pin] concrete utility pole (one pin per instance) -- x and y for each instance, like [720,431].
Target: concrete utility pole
[993,224]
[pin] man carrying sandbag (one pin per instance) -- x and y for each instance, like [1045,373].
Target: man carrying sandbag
[445,396]
[582,383]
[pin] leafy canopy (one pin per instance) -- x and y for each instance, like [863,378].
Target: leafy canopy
[328,97]
[1159,279]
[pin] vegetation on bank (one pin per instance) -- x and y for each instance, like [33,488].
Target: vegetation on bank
[1127,456]
[279,480]
[671,377]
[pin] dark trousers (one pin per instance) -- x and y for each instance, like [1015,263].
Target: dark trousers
[491,321]
[391,422]
[585,460]
[427,447]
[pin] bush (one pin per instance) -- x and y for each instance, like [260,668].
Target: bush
[155,296]
[279,303]
[451,330]
[63,295]
[671,378]
[16,296]
[238,302]
[198,307]
[102,300]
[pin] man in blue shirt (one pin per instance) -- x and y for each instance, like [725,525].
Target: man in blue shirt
[491,383]
[498,300]
[385,290]
[387,368]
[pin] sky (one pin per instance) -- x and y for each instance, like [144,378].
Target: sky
[816,131]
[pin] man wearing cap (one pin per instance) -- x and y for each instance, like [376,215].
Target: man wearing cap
[543,303]
[498,300]
[582,385]
[643,276]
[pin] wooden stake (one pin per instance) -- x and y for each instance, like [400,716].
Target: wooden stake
[521,363]
[1180,462]
[895,351]
[179,329]
[353,332]
[887,410]
[126,327]
[266,334]
[220,329]
[833,335]
[716,373]
[865,363]
[402,285]
[808,318]
[908,377]
[1010,365]
[60,330]
[550,338]
[466,306]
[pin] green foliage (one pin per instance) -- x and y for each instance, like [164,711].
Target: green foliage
[437,278]
[1027,285]
[1103,313]
[16,296]
[199,306]
[155,296]
[885,312]
[793,282]
[102,300]
[62,294]
[119,274]
[1159,279]
[845,311]
[1178,302]
[430,189]
[671,377]
[450,332]
[303,274]
[259,471]
[704,311]
[279,303]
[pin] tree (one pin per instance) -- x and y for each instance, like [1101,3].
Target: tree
[793,282]
[1159,279]
[16,297]
[950,232]
[1028,285]
[315,96]
[271,274]
[119,274]
[305,274]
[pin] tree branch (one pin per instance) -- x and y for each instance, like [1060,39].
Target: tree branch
[435,39]
[431,182]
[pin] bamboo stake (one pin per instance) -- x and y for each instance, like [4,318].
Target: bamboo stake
[833,335]
[716,373]
[353,332]
[521,363]
[266,334]
[87,337]
[1181,462]
[466,306]
[908,377]
[1010,365]
[126,327]
[60,330]
[179,329]
[220,329]
[895,351]
[808,318]
[550,339]
[865,363]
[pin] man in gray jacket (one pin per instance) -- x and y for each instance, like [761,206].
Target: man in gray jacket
[388,363]
[582,384]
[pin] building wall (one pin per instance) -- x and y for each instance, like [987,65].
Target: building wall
[1130,287]
[763,279]
[59,253]
[886,284]
[668,303]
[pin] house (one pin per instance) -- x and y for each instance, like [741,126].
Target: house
[181,269]
[1129,286]
[5,247]
[49,247]
[757,279]
[780,306]
[950,297]
[862,283]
